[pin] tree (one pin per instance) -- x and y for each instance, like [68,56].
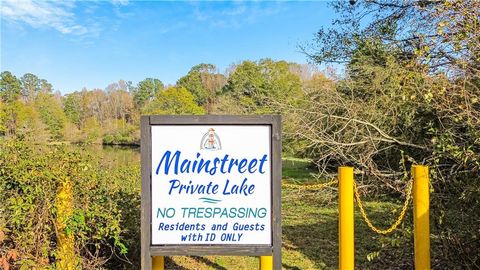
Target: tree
[205,83]
[120,85]
[91,131]
[30,86]
[260,86]
[45,86]
[9,94]
[410,94]
[440,35]
[245,80]
[400,54]
[52,114]
[120,104]
[304,71]
[72,108]
[174,100]
[9,87]
[94,104]
[3,119]
[146,90]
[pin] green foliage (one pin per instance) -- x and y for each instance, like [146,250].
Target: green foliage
[204,82]
[30,178]
[298,169]
[263,87]
[193,83]
[260,87]
[72,107]
[3,119]
[246,80]
[409,95]
[28,122]
[18,119]
[120,139]
[100,113]
[52,114]
[174,100]
[30,85]
[9,87]
[92,131]
[121,134]
[146,90]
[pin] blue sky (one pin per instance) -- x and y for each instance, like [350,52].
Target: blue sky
[91,44]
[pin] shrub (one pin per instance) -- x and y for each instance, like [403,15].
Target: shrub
[30,179]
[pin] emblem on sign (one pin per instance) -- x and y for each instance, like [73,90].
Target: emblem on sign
[210,141]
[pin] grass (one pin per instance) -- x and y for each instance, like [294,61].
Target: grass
[310,232]
[298,170]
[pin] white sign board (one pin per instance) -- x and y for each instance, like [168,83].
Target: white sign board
[211,184]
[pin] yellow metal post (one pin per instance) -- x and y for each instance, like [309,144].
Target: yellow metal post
[66,257]
[158,263]
[421,220]
[345,221]
[266,262]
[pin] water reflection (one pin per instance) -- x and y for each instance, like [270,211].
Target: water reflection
[110,156]
[115,156]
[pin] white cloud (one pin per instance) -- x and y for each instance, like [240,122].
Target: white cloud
[43,14]
[235,14]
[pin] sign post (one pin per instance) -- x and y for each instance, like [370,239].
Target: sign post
[211,185]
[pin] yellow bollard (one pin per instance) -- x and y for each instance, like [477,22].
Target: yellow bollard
[158,263]
[266,262]
[66,257]
[345,221]
[421,220]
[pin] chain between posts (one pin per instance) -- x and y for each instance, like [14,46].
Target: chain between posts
[399,219]
[360,203]
[311,187]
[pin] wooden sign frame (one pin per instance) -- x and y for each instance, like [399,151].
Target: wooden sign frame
[148,250]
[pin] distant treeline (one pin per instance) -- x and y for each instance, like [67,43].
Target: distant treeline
[30,109]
